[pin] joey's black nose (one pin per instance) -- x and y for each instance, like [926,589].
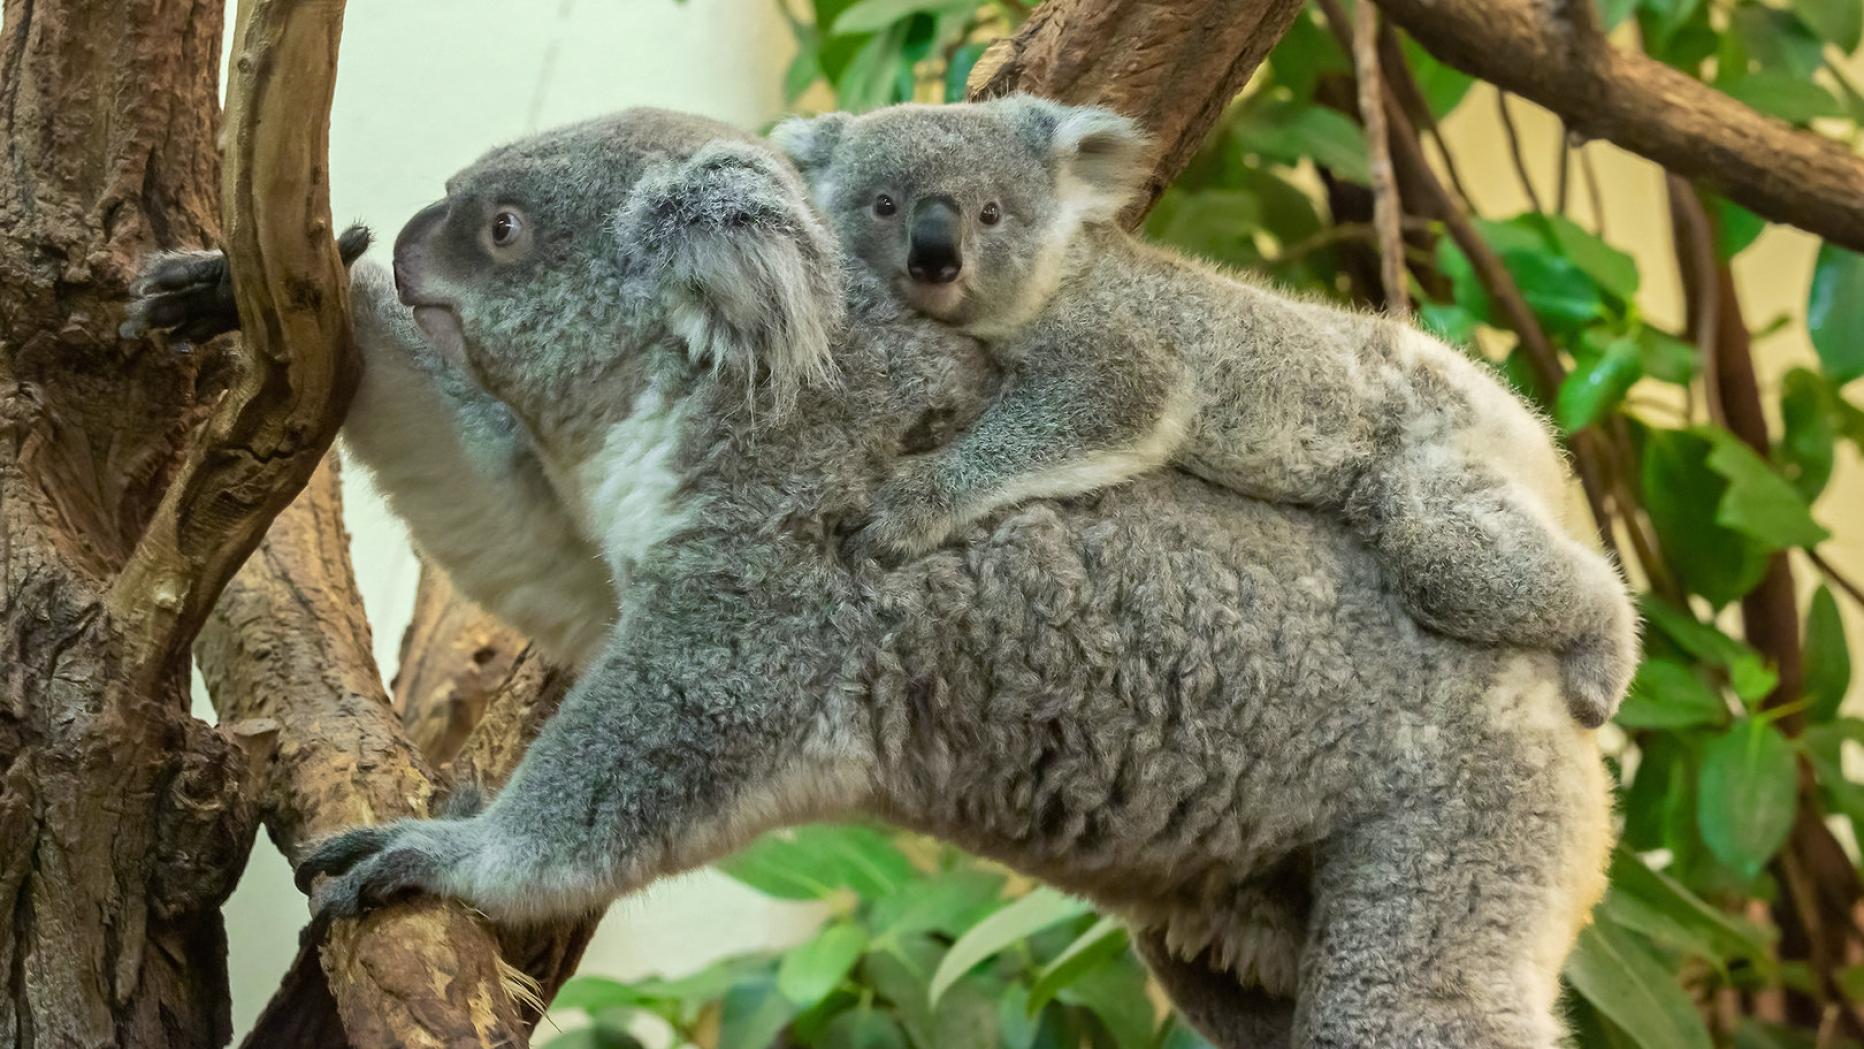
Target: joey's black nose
[934,253]
[411,246]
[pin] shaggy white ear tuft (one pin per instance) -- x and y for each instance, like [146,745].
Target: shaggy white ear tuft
[810,142]
[747,273]
[1099,157]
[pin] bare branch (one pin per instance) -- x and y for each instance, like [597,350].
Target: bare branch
[1565,64]
[455,657]
[1387,209]
[268,432]
[1513,135]
[1176,64]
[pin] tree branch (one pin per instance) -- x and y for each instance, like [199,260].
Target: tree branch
[455,657]
[1387,208]
[1174,68]
[268,432]
[1554,55]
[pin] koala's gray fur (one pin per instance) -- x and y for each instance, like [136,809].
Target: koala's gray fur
[1159,695]
[1126,356]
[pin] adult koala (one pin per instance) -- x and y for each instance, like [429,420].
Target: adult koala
[1156,696]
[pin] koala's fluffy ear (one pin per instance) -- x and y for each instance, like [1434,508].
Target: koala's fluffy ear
[747,273]
[1099,157]
[810,142]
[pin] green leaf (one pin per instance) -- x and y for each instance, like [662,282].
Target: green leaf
[1748,672]
[948,904]
[1613,12]
[813,862]
[1041,908]
[1667,358]
[1748,795]
[594,993]
[900,973]
[958,71]
[1827,657]
[863,1029]
[1663,909]
[1623,981]
[1101,943]
[1663,18]
[1613,270]
[753,1014]
[1681,495]
[1306,53]
[594,1037]
[1835,313]
[1667,695]
[1759,502]
[1779,43]
[1840,22]
[867,16]
[1449,322]
[1466,289]
[1785,95]
[1442,86]
[1115,993]
[1216,224]
[1596,386]
[809,972]
[804,70]
[1735,227]
[1809,432]
[872,73]
[1290,131]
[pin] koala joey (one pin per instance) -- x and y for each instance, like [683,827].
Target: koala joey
[998,218]
[1184,704]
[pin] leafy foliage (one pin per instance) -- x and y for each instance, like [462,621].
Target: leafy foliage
[1719,762]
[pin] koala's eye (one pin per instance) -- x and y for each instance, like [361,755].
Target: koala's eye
[884,206]
[991,215]
[507,227]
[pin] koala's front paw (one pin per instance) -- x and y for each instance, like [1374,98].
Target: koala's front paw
[189,294]
[910,515]
[370,866]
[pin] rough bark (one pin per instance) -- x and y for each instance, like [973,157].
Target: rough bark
[271,426]
[121,816]
[287,658]
[1172,65]
[1554,54]
[454,657]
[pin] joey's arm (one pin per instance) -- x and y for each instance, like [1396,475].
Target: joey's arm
[1064,424]
[451,460]
[685,739]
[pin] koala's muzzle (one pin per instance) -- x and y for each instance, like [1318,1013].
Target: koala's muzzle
[934,251]
[415,282]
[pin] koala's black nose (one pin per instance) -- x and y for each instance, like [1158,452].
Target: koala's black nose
[934,253]
[411,246]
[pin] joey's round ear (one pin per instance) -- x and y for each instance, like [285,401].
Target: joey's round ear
[810,142]
[1099,157]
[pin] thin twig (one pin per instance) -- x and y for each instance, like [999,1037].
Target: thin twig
[1514,150]
[1696,262]
[1563,158]
[1595,193]
[1387,209]
[1837,578]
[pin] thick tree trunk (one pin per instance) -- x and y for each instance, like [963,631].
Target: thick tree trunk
[121,826]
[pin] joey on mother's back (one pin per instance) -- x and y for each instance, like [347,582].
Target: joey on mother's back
[1154,696]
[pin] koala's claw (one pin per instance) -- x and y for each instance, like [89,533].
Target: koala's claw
[338,853]
[909,517]
[369,867]
[189,294]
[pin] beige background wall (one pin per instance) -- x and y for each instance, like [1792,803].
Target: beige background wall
[428,84]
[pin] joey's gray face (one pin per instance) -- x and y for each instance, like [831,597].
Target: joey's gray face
[966,210]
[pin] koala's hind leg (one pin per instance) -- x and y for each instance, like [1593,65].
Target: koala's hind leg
[1227,1014]
[1426,936]
[1473,557]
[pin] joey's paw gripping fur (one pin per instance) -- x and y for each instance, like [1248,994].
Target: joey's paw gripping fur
[910,515]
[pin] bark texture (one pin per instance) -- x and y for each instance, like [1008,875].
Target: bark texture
[122,819]
[1172,65]
[1552,51]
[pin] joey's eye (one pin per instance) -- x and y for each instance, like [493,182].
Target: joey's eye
[884,206]
[991,215]
[507,227]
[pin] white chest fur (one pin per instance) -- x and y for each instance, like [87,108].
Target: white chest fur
[628,484]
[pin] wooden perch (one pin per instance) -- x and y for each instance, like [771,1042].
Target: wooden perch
[297,369]
[1554,54]
[1178,63]
[455,657]
[287,659]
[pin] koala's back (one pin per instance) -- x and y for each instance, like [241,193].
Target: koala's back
[1159,709]
[1287,396]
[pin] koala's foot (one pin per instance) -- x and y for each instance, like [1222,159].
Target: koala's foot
[910,515]
[189,294]
[370,866]
[1595,674]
